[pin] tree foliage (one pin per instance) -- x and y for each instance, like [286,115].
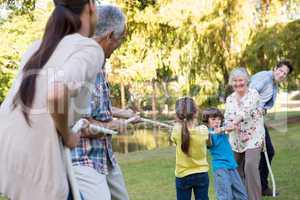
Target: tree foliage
[19,7]
[267,47]
[185,47]
[17,33]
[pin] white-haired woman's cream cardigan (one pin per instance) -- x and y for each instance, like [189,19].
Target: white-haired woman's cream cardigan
[31,164]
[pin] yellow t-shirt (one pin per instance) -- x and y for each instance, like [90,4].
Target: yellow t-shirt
[196,161]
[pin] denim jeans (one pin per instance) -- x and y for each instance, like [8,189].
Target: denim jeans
[195,182]
[229,185]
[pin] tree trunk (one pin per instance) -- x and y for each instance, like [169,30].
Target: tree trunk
[123,100]
[153,99]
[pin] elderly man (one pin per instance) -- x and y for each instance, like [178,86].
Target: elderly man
[266,84]
[97,172]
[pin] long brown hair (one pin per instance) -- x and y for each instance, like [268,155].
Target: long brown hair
[186,111]
[64,20]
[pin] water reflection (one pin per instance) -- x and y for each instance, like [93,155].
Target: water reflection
[141,139]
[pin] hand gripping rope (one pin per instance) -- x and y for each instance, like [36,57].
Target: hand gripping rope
[94,129]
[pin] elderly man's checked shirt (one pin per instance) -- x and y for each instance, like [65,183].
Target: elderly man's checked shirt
[97,153]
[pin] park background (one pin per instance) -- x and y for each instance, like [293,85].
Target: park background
[175,48]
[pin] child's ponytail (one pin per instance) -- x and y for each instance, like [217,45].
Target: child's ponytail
[185,111]
[185,137]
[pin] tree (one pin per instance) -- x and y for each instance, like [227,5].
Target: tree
[23,7]
[164,76]
[199,42]
[272,44]
[17,33]
[19,7]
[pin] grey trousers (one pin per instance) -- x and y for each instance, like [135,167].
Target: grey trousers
[96,186]
[248,168]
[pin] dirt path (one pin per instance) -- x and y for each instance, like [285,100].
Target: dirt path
[276,123]
[294,120]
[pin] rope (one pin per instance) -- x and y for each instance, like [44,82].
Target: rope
[270,171]
[94,129]
[157,123]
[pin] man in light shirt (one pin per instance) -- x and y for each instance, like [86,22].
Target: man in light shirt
[266,84]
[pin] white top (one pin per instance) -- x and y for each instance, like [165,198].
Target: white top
[251,132]
[31,160]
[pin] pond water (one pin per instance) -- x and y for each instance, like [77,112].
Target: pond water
[141,139]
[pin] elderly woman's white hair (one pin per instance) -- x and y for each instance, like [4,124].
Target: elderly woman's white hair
[238,72]
[110,19]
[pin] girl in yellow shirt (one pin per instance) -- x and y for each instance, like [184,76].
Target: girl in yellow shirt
[191,160]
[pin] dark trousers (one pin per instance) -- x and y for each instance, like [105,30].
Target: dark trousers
[263,167]
[195,182]
[70,196]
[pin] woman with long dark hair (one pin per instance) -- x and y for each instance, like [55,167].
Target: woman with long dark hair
[49,94]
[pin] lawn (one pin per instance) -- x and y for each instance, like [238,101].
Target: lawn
[149,175]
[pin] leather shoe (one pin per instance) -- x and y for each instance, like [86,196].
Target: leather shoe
[269,192]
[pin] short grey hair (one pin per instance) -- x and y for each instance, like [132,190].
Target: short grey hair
[110,19]
[238,72]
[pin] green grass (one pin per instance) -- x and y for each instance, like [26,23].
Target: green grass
[149,175]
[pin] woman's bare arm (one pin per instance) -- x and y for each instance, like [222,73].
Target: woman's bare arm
[58,101]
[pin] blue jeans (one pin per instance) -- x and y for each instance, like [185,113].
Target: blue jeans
[197,182]
[229,185]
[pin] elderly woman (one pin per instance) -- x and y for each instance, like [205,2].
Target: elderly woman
[242,111]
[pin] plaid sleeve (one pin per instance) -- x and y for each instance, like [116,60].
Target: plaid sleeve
[100,102]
